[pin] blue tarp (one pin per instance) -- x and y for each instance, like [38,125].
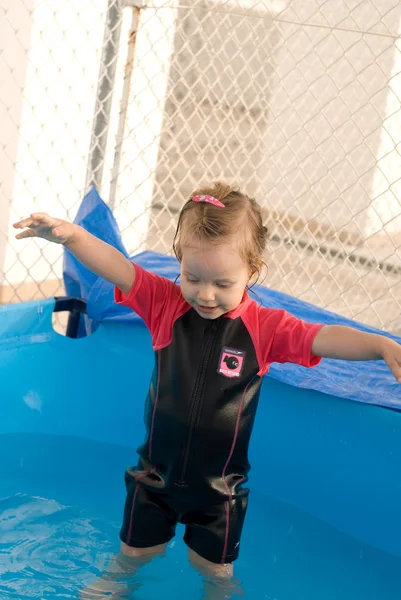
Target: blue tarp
[369,382]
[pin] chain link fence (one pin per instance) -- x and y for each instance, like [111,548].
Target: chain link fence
[297,102]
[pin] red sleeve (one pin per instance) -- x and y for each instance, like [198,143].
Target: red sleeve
[281,337]
[157,300]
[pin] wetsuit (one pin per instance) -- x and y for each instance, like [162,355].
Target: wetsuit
[199,414]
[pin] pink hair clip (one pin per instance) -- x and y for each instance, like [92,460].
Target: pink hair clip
[208,199]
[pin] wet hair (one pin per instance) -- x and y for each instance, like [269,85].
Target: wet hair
[241,218]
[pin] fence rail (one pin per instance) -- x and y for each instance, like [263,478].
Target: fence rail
[297,102]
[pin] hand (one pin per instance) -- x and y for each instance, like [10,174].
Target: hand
[391,353]
[48,228]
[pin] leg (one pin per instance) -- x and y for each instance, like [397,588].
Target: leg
[218,582]
[213,536]
[118,580]
[148,525]
[143,553]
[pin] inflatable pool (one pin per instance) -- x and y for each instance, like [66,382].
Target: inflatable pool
[324,518]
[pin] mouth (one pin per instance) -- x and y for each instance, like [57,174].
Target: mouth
[206,309]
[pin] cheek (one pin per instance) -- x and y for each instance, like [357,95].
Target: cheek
[186,290]
[231,296]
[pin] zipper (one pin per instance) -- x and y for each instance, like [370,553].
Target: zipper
[196,404]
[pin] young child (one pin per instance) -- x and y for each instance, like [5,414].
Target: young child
[213,344]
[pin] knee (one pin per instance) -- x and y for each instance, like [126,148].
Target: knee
[210,569]
[145,553]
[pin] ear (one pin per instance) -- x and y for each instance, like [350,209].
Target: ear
[253,277]
[255,273]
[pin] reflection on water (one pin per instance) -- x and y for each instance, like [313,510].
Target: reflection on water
[59,526]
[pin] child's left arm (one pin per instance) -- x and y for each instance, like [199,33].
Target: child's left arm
[338,341]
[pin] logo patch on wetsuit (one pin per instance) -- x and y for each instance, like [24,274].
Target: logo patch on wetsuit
[231,362]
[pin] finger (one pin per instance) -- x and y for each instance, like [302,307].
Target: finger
[25,234]
[395,367]
[42,219]
[40,215]
[24,223]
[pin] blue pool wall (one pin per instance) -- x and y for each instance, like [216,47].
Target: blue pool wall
[337,459]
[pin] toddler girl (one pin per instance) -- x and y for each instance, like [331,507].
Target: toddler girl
[213,344]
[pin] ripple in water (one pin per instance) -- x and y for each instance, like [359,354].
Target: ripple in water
[47,548]
[53,548]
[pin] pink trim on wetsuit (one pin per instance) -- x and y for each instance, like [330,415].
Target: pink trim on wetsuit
[142,476]
[154,408]
[223,475]
[226,534]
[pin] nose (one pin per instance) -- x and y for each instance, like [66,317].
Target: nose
[205,294]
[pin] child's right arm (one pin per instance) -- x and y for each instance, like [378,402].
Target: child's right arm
[99,257]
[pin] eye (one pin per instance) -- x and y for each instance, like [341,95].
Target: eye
[192,280]
[223,285]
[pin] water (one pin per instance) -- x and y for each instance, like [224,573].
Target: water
[61,502]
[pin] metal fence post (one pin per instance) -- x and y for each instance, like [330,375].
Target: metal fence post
[129,65]
[104,94]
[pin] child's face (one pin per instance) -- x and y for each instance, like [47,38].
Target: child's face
[213,277]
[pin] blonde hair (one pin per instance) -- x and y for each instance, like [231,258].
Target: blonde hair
[241,217]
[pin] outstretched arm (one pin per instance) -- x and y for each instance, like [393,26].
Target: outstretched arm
[99,257]
[346,343]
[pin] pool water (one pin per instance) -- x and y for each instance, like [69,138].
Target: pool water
[61,502]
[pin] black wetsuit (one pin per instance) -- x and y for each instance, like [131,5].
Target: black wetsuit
[199,415]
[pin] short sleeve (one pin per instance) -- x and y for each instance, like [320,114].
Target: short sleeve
[155,299]
[286,339]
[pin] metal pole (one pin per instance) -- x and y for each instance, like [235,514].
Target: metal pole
[104,94]
[129,65]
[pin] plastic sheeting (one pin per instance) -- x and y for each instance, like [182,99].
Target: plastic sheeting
[369,382]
